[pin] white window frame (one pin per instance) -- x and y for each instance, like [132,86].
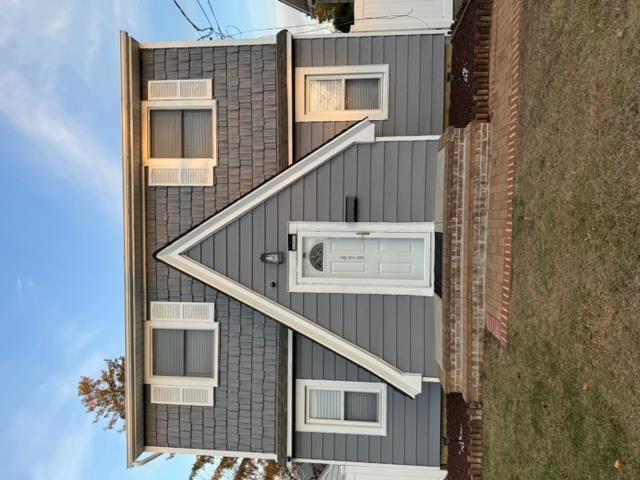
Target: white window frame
[175,381]
[178,104]
[306,424]
[304,74]
[297,283]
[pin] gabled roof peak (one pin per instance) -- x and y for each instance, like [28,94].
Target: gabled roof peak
[174,255]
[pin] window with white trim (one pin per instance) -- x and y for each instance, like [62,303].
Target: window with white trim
[349,92]
[179,133]
[341,407]
[377,258]
[181,353]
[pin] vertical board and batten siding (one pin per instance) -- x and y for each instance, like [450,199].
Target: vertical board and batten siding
[413,425]
[247,413]
[416,82]
[393,182]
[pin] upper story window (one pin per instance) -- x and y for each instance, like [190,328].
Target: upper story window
[179,133]
[341,407]
[349,92]
[382,258]
[181,353]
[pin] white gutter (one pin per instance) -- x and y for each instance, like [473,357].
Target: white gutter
[125,63]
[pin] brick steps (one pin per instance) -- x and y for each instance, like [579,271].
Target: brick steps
[465,250]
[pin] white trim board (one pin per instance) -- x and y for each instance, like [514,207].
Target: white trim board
[126,105]
[410,138]
[211,453]
[391,470]
[305,423]
[341,73]
[210,43]
[430,379]
[384,33]
[415,231]
[289,393]
[290,97]
[172,254]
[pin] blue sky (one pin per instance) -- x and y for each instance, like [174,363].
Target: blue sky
[61,287]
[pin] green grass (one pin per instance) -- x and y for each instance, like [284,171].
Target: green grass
[575,314]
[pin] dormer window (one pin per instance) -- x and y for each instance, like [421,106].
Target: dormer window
[350,92]
[179,133]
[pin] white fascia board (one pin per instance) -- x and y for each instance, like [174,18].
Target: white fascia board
[362,132]
[382,33]
[381,470]
[410,138]
[130,394]
[289,394]
[211,453]
[210,43]
[409,383]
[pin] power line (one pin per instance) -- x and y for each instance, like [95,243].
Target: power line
[205,14]
[217,30]
[198,29]
[215,18]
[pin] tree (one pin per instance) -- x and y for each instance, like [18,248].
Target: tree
[339,14]
[104,396]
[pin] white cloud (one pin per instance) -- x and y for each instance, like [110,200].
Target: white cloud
[22,283]
[79,159]
[51,423]
[68,458]
[58,24]
[50,68]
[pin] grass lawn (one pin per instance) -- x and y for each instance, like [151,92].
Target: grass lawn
[563,400]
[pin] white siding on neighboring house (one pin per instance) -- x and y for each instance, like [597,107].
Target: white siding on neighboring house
[385,15]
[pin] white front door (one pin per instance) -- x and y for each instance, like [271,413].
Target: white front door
[364,258]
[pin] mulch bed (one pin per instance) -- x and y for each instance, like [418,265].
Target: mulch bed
[463,83]
[458,437]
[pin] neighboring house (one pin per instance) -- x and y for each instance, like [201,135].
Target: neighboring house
[308,6]
[391,15]
[283,203]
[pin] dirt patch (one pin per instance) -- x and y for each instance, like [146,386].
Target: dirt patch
[463,83]
[458,437]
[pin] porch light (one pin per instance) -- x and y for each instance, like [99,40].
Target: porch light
[274,258]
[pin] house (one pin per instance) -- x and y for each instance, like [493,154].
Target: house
[390,15]
[308,6]
[282,212]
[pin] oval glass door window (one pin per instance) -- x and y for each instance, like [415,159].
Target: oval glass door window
[316,256]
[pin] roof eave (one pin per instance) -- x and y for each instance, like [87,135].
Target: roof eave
[129,252]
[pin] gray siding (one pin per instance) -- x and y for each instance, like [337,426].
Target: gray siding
[245,415]
[394,182]
[416,82]
[413,425]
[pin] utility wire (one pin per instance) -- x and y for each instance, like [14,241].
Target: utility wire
[198,29]
[211,30]
[215,18]
[205,15]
